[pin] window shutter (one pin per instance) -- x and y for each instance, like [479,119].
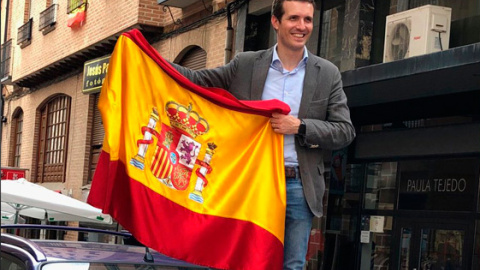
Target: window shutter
[98,131]
[195,59]
[97,138]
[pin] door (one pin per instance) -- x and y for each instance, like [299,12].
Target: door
[432,244]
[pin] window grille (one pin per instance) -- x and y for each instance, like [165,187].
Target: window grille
[48,17]
[25,32]
[6,54]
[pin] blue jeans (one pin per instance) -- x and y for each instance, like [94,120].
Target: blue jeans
[298,224]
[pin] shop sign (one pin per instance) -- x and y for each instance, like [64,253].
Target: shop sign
[11,173]
[444,184]
[94,73]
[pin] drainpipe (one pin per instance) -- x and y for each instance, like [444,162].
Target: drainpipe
[229,40]
[2,101]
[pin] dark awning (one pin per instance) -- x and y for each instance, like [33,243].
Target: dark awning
[451,71]
[422,86]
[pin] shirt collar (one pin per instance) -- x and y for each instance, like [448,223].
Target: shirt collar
[276,63]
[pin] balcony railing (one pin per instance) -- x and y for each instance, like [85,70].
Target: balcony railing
[25,32]
[5,65]
[74,4]
[48,17]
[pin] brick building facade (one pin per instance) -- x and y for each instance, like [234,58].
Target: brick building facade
[47,55]
[415,114]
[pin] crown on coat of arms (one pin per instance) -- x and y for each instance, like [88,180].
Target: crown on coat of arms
[185,119]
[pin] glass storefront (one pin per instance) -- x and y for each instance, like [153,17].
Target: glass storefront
[405,214]
[381,185]
[441,249]
[476,248]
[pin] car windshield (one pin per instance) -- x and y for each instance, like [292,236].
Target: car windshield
[107,266]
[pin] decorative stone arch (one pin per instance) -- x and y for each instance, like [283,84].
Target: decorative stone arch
[193,57]
[52,123]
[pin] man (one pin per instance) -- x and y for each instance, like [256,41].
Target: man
[319,117]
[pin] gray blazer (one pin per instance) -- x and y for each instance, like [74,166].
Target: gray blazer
[323,108]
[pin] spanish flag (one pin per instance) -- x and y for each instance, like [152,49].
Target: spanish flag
[191,172]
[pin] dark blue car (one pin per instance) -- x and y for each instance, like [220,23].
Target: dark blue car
[19,253]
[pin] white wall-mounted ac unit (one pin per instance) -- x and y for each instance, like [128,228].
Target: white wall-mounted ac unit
[417,31]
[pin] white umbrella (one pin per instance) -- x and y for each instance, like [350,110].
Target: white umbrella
[20,197]
[9,218]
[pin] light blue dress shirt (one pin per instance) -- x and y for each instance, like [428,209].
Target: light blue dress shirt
[286,86]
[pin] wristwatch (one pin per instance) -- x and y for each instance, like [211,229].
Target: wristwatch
[302,129]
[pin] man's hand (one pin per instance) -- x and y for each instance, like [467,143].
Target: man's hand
[284,124]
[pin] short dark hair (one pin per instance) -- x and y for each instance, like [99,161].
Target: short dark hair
[277,7]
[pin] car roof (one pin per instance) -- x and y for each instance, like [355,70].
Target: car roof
[43,251]
[101,252]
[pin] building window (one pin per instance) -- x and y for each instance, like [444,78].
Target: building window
[193,58]
[332,32]
[24,35]
[53,138]
[74,4]
[376,253]
[48,17]
[6,55]
[17,129]
[381,185]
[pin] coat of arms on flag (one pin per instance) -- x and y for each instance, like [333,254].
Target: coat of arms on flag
[180,161]
[176,150]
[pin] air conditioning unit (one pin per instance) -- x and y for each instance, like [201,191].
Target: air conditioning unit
[417,31]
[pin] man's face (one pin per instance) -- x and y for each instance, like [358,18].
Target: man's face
[296,25]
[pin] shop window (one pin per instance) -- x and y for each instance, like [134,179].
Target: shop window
[376,242]
[344,187]
[476,249]
[380,186]
[342,215]
[442,249]
[53,138]
[17,130]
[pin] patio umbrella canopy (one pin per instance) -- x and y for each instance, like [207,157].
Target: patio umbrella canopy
[20,197]
[9,218]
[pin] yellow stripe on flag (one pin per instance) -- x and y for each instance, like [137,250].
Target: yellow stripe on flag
[210,158]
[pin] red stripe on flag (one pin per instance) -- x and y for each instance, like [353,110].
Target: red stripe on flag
[174,230]
[164,163]
[215,95]
[155,162]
